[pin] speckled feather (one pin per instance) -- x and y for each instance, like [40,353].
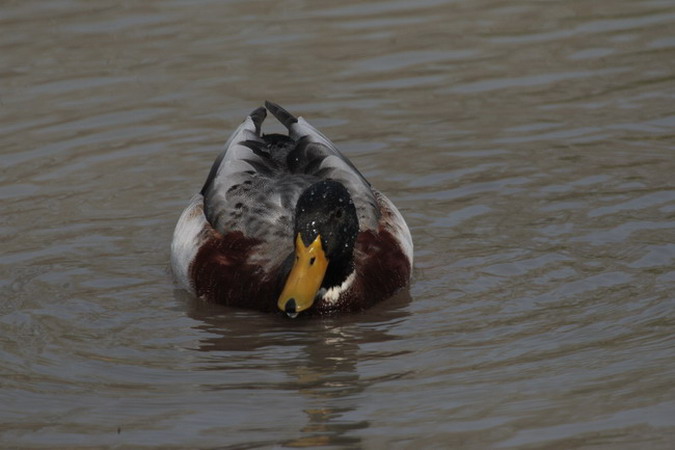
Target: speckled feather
[256,181]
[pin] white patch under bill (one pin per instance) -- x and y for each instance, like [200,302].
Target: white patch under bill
[187,238]
[333,294]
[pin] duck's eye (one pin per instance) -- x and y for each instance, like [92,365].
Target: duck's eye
[338,213]
[311,260]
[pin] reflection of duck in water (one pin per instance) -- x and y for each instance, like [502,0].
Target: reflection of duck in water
[289,222]
[310,374]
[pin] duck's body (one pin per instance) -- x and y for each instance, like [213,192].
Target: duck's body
[271,206]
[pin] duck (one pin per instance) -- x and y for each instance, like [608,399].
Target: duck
[286,223]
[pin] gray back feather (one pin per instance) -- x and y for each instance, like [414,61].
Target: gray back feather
[255,182]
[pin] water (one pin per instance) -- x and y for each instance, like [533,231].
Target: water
[528,144]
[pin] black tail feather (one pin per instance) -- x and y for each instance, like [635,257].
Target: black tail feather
[287,119]
[258,116]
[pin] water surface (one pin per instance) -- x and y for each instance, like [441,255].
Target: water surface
[528,144]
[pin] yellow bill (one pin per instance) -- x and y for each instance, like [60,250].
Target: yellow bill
[305,278]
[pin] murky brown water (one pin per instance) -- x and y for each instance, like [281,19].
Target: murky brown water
[529,145]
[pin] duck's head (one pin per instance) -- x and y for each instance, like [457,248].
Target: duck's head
[326,226]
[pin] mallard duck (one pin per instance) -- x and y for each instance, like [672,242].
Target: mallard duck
[287,223]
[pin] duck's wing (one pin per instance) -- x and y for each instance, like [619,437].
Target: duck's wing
[241,192]
[234,149]
[316,156]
